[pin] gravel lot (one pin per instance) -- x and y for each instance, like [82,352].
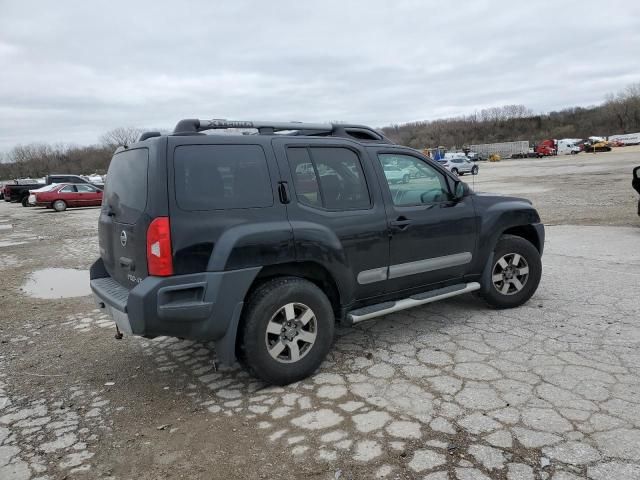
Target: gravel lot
[453,390]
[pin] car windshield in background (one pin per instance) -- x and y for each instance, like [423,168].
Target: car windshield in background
[126,188]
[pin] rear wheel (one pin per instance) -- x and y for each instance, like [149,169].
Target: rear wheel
[59,205]
[474,170]
[287,330]
[515,273]
[25,201]
[454,171]
[405,179]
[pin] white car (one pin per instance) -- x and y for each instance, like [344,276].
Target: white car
[396,174]
[459,165]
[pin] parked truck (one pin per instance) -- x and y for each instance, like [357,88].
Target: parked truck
[518,149]
[567,146]
[546,148]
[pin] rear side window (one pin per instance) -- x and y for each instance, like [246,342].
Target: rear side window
[126,187]
[328,177]
[219,177]
[304,177]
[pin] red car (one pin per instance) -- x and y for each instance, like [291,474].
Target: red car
[68,195]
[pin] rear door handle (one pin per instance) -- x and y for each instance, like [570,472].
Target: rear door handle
[400,223]
[127,263]
[283,192]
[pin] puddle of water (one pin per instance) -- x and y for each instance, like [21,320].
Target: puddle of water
[57,283]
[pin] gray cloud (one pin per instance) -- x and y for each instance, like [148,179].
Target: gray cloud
[72,70]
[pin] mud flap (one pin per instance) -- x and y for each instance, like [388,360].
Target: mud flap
[226,346]
[485,279]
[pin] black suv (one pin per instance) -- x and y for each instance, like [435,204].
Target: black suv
[262,239]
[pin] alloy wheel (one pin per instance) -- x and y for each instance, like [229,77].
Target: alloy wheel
[291,332]
[510,274]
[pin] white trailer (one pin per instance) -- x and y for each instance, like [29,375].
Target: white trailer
[627,138]
[518,149]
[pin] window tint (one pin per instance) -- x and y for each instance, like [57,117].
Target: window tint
[217,177]
[425,184]
[126,187]
[68,189]
[304,177]
[85,188]
[330,177]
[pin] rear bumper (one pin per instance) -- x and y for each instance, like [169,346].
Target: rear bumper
[201,306]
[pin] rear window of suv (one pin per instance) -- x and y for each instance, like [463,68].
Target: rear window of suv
[220,177]
[126,187]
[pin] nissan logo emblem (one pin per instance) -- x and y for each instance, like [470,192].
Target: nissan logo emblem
[123,238]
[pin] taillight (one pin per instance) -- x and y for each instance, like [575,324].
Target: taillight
[159,257]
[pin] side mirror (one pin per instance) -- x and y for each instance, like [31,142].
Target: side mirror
[458,190]
[461,190]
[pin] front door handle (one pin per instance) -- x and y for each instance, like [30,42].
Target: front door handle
[400,223]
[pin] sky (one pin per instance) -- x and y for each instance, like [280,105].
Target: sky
[70,71]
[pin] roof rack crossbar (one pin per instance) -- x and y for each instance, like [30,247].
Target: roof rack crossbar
[192,126]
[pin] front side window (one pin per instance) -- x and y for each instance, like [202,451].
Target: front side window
[328,177]
[219,177]
[417,183]
[85,188]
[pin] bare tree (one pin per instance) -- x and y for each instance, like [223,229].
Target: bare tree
[121,136]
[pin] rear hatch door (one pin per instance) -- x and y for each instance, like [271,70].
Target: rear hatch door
[123,219]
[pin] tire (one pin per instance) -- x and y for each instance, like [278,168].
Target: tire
[454,171]
[25,201]
[59,205]
[272,305]
[405,179]
[515,287]
[474,171]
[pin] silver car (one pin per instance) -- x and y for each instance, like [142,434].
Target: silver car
[459,165]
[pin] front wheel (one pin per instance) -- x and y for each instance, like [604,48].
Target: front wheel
[405,179]
[59,206]
[25,201]
[287,330]
[454,171]
[515,273]
[474,171]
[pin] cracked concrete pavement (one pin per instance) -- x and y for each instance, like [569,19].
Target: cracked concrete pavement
[452,390]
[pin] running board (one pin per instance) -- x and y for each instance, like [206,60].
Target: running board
[365,313]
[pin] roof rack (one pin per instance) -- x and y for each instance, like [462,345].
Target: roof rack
[192,126]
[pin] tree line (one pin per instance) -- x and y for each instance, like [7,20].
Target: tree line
[620,113]
[36,160]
